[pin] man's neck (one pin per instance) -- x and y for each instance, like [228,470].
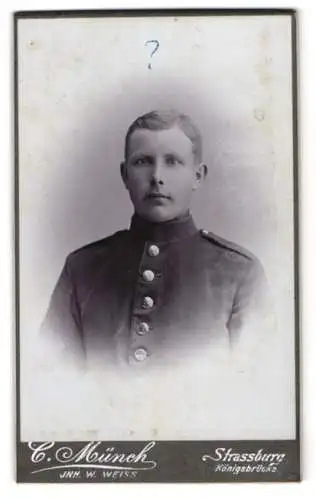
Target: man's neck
[175,229]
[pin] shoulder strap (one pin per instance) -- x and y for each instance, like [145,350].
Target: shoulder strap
[228,245]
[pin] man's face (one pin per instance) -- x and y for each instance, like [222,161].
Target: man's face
[160,173]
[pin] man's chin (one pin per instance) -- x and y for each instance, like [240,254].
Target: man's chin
[158,214]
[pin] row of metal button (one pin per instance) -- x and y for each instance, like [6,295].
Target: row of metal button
[149,276]
[140,354]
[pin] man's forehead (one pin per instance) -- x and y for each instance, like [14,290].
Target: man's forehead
[172,138]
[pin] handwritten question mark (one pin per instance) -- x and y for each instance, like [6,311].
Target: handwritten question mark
[156,43]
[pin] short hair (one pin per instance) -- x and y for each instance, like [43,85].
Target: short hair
[163,120]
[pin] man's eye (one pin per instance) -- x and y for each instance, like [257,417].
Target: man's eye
[141,161]
[171,160]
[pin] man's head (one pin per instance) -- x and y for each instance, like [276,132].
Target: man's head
[163,164]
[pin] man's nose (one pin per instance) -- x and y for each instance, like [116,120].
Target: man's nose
[157,176]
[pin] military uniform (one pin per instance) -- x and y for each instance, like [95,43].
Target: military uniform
[155,295]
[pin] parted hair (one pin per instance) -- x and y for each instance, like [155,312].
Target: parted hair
[163,120]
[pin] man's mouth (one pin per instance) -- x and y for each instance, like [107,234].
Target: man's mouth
[157,196]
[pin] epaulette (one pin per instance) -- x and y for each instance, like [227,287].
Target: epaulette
[228,245]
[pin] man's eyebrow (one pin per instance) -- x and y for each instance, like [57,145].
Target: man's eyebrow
[172,153]
[176,155]
[140,154]
[143,154]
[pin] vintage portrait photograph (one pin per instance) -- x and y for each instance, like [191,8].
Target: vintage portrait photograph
[156,246]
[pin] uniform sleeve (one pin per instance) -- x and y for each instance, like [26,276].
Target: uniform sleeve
[61,332]
[251,325]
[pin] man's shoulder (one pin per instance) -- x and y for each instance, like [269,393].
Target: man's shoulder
[228,249]
[226,246]
[234,260]
[97,248]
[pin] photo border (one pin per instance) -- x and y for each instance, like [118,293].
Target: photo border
[185,467]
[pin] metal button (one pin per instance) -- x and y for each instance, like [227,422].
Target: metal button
[204,232]
[148,275]
[153,250]
[140,354]
[148,302]
[143,328]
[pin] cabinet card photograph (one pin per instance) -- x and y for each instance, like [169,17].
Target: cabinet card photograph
[156,174]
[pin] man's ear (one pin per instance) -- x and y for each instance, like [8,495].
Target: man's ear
[123,173]
[200,174]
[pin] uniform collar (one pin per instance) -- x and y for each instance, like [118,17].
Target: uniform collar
[175,229]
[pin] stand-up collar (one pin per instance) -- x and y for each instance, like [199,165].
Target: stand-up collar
[176,229]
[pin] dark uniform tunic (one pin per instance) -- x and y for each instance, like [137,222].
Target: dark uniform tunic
[155,295]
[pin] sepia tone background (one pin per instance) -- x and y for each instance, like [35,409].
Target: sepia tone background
[81,83]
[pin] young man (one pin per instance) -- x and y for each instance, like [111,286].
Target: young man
[162,291]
